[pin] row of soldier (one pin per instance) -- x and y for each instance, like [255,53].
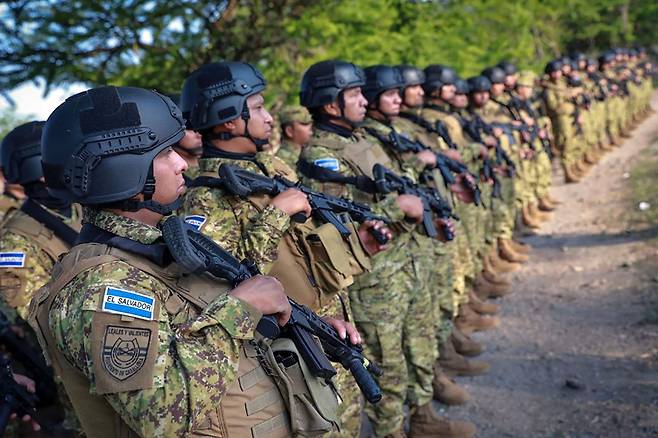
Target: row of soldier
[374,167]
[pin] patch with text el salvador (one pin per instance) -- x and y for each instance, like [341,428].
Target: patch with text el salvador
[196,220]
[129,303]
[328,163]
[12,259]
[125,350]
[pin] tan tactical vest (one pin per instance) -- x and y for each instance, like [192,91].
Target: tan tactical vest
[313,263]
[25,226]
[266,400]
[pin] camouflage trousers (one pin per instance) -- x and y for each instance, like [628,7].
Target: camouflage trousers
[504,210]
[349,410]
[393,309]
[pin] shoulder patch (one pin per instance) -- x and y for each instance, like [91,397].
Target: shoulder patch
[12,259]
[125,350]
[328,163]
[129,303]
[196,220]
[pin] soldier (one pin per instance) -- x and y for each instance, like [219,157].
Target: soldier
[387,301]
[562,111]
[296,130]
[33,234]
[144,348]
[316,275]
[190,147]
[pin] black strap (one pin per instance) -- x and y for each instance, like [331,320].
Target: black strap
[155,252]
[50,221]
[313,171]
[206,181]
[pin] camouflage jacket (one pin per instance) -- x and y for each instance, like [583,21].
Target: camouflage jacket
[236,224]
[185,358]
[25,265]
[288,153]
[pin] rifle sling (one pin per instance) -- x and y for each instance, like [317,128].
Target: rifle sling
[52,222]
[311,170]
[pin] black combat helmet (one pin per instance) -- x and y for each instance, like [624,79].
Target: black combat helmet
[217,93]
[436,76]
[411,75]
[478,83]
[507,67]
[462,86]
[606,58]
[495,74]
[380,78]
[552,66]
[20,154]
[324,81]
[99,145]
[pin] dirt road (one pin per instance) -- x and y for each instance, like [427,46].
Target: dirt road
[575,355]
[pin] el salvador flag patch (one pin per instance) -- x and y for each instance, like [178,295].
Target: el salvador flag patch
[12,259]
[328,163]
[196,220]
[128,303]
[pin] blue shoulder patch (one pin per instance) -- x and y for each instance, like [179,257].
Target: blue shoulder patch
[196,220]
[12,259]
[328,163]
[129,303]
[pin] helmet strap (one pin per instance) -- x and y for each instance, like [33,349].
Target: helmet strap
[226,136]
[148,203]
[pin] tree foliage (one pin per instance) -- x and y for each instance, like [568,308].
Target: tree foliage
[156,43]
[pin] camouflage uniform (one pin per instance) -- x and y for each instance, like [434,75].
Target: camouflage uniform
[7,202]
[192,355]
[561,110]
[387,301]
[231,222]
[288,152]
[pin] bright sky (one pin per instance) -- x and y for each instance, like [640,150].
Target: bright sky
[30,101]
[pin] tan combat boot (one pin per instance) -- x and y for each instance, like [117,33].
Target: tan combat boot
[454,364]
[446,390]
[465,345]
[520,247]
[527,218]
[506,252]
[591,158]
[545,204]
[486,289]
[553,200]
[427,423]
[481,307]
[501,265]
[571,175]
[537,214]
[469,321]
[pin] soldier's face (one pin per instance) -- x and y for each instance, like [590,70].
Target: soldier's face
[448,92]
[191,142]
[389,102]
[260,120]
[459,101]
[510,81]
[555,75]
[480,98]
[413,96]
[168,168]
[524,92]
[299,133]
[354,108]
[497,89]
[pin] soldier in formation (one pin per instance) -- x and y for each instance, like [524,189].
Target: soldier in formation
[391,212]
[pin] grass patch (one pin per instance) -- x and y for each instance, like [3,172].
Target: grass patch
[644,189]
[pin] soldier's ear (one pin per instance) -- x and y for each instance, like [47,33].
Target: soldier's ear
[332,109]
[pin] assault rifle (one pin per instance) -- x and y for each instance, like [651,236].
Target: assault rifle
[446,165]
[475,128]
[241,182]
[14,398]
[32,360]
[388,181]
[198,253]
